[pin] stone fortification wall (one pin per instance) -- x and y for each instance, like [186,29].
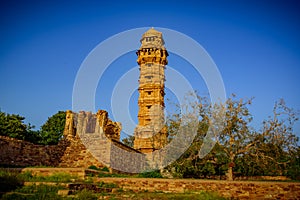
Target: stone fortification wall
[66,154]
[21,153]
[82,130]
[230,189]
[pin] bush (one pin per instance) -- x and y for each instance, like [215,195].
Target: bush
[105,169]
[93,167]
[150,174]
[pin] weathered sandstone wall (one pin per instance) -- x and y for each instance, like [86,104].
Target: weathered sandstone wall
[230,189]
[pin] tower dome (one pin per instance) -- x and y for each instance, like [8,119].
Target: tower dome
[152,32]
[152,39]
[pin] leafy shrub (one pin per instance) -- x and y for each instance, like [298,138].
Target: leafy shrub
[105,169]
[93,167]
[150,174]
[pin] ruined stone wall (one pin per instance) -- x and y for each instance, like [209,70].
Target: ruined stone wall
[230,189]
[126,159]
[21,153]
[77,155]
[66,154]
[82,130]
[70,152]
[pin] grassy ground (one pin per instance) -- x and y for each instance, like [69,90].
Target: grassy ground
[51,192]
[12,188]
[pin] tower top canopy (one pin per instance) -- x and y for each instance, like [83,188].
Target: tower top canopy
[152,39]
[152,33]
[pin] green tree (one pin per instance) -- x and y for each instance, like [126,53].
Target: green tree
[52,131]
[240,148]
[276,145]
[293,170]
[264,152]
[236,137]
[189,164]
[12,125]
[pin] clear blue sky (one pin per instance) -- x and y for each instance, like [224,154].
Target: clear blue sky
[255,44]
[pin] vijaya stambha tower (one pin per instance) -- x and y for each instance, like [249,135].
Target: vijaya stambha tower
[150,133]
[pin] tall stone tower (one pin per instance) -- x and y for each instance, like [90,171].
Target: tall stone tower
[150,133]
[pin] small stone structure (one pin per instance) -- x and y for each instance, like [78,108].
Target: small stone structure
[150,133]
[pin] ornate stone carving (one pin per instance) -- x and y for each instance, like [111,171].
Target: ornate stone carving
[70,129]
[150,134]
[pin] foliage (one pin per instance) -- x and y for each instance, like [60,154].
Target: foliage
[240,149]
[93,167]
[188,196]
[56,177]
[276,146]
[236,137]
[13,125]
[150,174]
[34,192]
[52,130]
[294,167]
[103,169]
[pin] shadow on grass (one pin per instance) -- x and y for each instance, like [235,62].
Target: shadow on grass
[9,181]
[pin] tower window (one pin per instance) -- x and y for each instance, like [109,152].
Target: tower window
[149,92]
[148,77]
[148,107]
[149,39]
